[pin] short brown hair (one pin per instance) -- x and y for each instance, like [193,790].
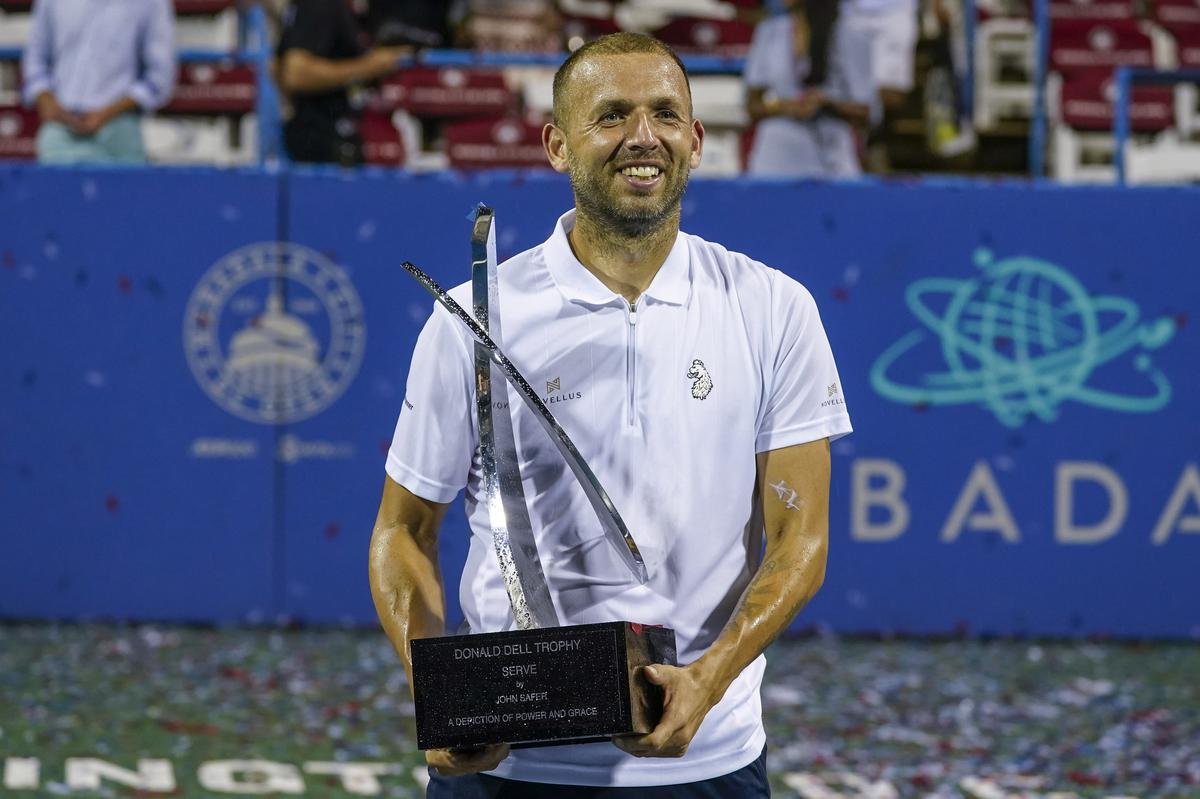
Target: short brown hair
[612,44]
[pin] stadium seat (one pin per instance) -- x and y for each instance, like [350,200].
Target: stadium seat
[382,143]
[1087,105]
[207,88]
[1170,13]
[1187,40]
[578,29]
[1078,46]
[188,7]
[1092,10]
[719,37]
[1003,70]
[223,141]
[498,142]
[15,25]
[18,133]
[1083,55]
[208,31]
[446,92]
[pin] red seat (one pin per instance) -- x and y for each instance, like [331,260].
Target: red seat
[213,89]
[1170,13]
[504,142]
[18,133]
[719,37]
[15,5]
[588,28]
[1087,104]
[446,92]
[1092,10]
[186,7]
[1187,40]
[1081,46]
[382,144]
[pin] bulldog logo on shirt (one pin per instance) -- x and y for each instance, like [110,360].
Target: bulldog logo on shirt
[702,384]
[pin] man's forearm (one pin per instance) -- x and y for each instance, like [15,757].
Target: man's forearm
[785,582]
[121,106]
[406,585]
[304,72]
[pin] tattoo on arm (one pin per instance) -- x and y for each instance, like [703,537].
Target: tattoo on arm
[787,495]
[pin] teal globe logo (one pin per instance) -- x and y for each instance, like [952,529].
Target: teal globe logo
[1020,339]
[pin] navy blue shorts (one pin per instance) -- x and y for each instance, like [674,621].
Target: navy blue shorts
[745,783]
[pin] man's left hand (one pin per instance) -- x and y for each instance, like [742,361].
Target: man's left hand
[686,701]
[90,123]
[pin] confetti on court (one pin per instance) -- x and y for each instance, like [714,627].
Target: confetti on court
[846,718]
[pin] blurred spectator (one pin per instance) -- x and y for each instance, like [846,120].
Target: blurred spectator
[322,54]
[513,26]
[419,23]
[807,129]
[888,31]
[949,130]
[90,68]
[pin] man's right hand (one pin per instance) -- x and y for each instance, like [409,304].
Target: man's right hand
[49,110]
[457,762]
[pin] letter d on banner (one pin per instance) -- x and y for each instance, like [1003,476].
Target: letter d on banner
[1065,477]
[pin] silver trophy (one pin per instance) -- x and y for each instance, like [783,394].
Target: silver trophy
[577,683]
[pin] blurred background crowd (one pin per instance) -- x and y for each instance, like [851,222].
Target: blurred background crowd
[786,88]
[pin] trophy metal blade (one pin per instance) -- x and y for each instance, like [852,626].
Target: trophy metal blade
[512,532]
[614,526]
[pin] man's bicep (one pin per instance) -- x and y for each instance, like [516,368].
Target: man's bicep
[794,486]
[402,510]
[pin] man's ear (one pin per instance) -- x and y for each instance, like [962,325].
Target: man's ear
[554,142]
[697,144]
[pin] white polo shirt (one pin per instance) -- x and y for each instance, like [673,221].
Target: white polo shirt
[668,401]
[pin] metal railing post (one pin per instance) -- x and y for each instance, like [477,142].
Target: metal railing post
[968,87]
[1121,121]
[1041,43]
[266,103]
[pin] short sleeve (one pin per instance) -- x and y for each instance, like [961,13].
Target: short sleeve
[804,399]
[757,72]
[852,77]
[434,441]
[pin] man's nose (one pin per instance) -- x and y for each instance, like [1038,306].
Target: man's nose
[642,137]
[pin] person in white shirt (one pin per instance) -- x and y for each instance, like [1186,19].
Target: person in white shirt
[699,386]
[887,30]
[807,112]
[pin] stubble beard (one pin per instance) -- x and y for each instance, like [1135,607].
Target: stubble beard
[601,206]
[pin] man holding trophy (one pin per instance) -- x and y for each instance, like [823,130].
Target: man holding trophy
[647,443]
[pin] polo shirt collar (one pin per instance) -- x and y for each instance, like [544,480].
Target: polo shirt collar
[671,285]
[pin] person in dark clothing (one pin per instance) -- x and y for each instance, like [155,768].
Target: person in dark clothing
[321,55]
[420,23]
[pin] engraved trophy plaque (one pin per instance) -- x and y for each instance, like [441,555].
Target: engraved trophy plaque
[541,683]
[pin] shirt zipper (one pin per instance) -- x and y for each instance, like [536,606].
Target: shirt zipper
[631,362]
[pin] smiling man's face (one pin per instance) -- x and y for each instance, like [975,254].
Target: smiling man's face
[628,140]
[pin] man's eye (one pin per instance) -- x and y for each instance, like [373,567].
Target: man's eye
[668,114]
[611,116]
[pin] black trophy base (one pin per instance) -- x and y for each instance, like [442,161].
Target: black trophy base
[553,685]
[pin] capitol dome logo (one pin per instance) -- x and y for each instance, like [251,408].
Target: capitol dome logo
[274,332]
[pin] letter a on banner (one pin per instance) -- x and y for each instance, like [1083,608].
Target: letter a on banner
[999,519]
[1172,518]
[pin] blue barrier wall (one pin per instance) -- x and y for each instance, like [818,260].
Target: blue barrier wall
[1020,364]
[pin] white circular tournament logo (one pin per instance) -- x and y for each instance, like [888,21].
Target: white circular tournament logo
[274,332]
